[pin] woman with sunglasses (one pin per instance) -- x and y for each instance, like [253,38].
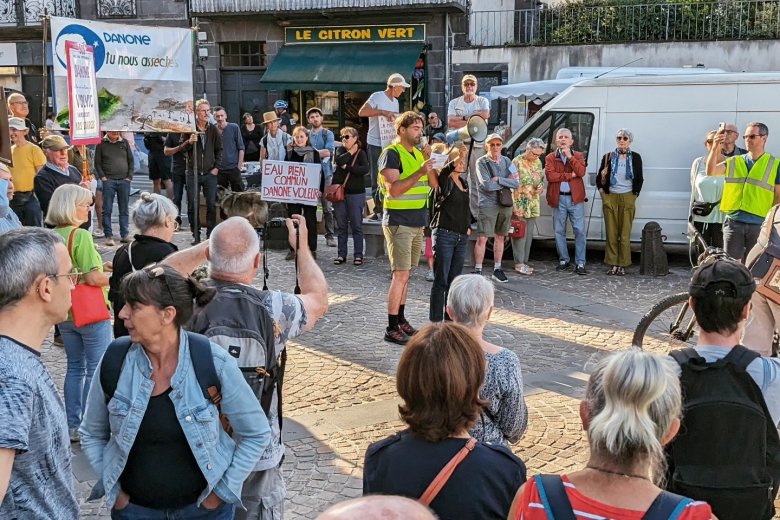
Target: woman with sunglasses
[153,438]
[619,182]
[155,218]
[526,200]
[302,151]
[708,188]
[84,346]
[350,160]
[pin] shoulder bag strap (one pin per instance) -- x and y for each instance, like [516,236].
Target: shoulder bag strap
[683,356]
[666,506]
[446,472]
[70,242]
[554,498]
[741,357]
[203,365]
[130,255]
[111,365]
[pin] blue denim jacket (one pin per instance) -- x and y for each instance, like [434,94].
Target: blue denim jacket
[108,431]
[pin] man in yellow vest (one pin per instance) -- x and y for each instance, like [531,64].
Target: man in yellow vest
[405,182]
[750,191]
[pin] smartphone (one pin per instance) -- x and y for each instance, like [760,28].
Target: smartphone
[721,126]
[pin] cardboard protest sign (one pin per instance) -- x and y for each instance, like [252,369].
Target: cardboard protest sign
[386,131]
[291,182]
[83,94]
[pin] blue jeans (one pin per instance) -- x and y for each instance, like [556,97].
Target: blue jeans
[575,212]
[84,346]
[122,190]
[449,253]
[225,511]
[350,212]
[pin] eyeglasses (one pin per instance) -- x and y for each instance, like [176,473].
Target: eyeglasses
[20,103]
[73,276]
[469,84]
[495,144]
[622,138]
[345,137]
[752,136]
[159,272]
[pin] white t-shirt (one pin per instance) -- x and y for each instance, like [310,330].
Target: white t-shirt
[459,108]
[764,371]
[379,101]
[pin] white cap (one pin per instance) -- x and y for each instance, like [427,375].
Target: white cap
[397,80]
[17,123]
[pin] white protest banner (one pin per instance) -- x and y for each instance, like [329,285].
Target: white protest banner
[143,74]
[292,182]
[82,93]
[386,131]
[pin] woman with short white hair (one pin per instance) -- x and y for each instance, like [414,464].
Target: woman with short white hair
[154,216]
[505,418]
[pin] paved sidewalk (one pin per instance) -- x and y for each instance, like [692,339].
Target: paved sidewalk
[340,388]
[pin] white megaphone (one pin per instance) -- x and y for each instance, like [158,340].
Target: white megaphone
[476,129]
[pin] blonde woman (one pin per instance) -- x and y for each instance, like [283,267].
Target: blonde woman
[84,346]
[526,198]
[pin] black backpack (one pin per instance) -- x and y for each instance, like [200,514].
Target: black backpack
[728,451]
[238,321]
[202,363]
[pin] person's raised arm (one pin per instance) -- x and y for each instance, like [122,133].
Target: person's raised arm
[314,288]
[187,260]
[715,167]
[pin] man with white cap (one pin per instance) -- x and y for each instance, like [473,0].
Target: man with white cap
[287,123]
[459,111]
[28,159]
[383,103]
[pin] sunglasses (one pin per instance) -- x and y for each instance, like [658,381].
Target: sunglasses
[345,137]
[752,136]
[622,138]
[159,272]
[469,84]
[73,276]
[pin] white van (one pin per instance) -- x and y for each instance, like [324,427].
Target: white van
[669,117]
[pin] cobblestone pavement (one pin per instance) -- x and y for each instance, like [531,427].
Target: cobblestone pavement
[340,388]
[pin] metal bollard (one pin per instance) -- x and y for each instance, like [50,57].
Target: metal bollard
[653,261]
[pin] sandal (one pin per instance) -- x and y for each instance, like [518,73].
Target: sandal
[613,270]
[358,261]
[620,271]
[339,260]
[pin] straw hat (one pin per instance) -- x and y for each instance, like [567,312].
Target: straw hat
[270,117]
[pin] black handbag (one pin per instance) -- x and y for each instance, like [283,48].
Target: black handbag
[702,209]
[505,197]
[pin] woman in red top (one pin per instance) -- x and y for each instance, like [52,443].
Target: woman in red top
[631,410]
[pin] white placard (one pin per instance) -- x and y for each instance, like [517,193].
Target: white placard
[292,182]
[386,131]
[83,95]
[144,74]
[439,160]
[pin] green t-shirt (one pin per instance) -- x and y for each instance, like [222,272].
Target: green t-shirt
[84,256]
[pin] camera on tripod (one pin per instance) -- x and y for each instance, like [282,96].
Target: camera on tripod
[279,222]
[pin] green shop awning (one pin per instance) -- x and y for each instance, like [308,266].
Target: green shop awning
[355,67]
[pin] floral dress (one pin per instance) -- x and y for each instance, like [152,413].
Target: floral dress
[526,196]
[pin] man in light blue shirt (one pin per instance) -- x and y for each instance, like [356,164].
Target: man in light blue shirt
[323,141]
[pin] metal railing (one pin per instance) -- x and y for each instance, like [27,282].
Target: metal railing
[30,12]
[578,24]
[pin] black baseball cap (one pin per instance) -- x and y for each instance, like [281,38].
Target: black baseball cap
[722,277]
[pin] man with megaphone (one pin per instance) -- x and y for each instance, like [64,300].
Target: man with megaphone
[459,112]
[406,174]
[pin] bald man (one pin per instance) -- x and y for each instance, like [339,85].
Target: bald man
[378,507]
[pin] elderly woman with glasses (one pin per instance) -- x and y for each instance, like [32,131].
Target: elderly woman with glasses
[153,437]
[526,200]
[708,188]
[351,167]
[619,181]
[505,417]
[155,218]
[84,346]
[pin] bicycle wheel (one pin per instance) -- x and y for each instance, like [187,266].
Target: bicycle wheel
[670,322]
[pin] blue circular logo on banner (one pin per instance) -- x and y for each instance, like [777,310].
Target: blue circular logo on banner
[82,33]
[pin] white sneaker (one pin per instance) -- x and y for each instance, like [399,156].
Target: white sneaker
[429,276]
[98,233]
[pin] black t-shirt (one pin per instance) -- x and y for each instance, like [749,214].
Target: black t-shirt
[252,153]
[161,471]
[179,159]
[145,250]
[400,217]
[482,486]
[450,205]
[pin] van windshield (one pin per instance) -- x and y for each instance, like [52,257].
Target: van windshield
[545,126]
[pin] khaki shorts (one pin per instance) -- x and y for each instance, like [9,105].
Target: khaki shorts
[404,244]
[494,221]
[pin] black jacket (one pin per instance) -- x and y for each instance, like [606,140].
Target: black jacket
[636,164]
[210,155]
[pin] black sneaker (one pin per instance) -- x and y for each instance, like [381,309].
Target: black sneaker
[563,266]
[476,271]
[396,336]
[407,329]
[499,276]
[580,269]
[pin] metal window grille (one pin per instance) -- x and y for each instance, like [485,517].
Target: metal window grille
[242,54]
[116,9]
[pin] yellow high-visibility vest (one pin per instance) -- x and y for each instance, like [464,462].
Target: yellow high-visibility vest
[415,197]
[753,191]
